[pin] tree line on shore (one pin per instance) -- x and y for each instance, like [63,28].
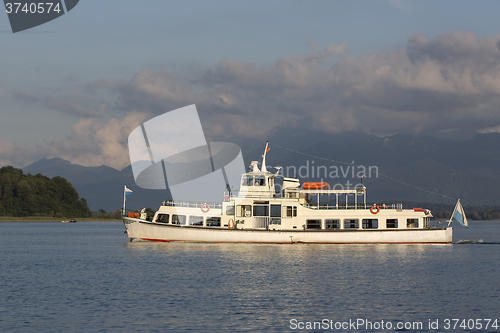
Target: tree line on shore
[38,195]
[473,213]
[442,211]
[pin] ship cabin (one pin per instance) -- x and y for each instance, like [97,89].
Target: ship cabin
[259,204]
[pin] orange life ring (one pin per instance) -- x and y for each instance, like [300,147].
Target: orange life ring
[230,225]
[205,208]
[374,209]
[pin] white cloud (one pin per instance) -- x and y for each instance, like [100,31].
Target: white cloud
[92,142]
[18,155]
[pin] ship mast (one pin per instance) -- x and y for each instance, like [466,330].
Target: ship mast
[264,169]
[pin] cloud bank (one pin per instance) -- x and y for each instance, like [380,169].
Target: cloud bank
[431,85]
[93,142]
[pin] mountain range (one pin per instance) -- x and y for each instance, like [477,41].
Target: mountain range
[409,168]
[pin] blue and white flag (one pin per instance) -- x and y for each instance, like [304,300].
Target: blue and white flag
[459,215]
[127,190]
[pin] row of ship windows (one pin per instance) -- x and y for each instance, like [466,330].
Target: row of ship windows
[354,224]
[254,181]
[262,210]
[184,220]
[310,224]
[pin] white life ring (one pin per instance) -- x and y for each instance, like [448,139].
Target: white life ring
[205,208]
[374,209]
[230,225]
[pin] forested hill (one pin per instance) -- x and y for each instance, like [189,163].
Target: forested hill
[28,195]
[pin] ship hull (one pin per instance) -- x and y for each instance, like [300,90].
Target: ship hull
[138,229]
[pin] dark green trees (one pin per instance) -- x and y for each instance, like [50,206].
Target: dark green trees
[28,195]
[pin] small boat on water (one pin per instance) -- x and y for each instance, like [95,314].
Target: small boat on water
[69,221]
[258,214]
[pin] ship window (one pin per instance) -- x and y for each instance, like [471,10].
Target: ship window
[285,211]
[412,223]
[351,224]
[260,210]
[370,223]
[163,218]
[259,180]
[392,223]
[213,222]
[275,210]
[332,224]
[290,211]
[230,210]
[247,181]
[244,210]
[313,224]
[178,219]
[196,220]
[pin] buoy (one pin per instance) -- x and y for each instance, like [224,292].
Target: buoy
[205,208]
[374,209]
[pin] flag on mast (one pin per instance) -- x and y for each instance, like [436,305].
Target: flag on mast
[459,215]
[127,190]
[264,168]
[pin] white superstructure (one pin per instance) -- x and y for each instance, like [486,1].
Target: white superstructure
[257,214]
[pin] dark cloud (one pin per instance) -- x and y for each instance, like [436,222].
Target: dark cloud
[448,83]
[445,83]
[63,105]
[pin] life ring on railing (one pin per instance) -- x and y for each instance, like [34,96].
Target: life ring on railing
[374,209]
[205,208]
[230,224]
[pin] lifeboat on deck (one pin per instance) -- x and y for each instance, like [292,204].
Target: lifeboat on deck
[316,186]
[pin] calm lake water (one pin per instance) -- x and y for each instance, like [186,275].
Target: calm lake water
[87,277]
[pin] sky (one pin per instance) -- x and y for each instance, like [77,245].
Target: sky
[76,87]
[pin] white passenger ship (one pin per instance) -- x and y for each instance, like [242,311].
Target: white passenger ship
[257,214]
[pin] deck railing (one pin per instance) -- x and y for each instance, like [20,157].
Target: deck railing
[313,205]
[355,206]
[260,222]
[192,204]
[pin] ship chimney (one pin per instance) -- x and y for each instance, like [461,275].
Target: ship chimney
[255,166]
